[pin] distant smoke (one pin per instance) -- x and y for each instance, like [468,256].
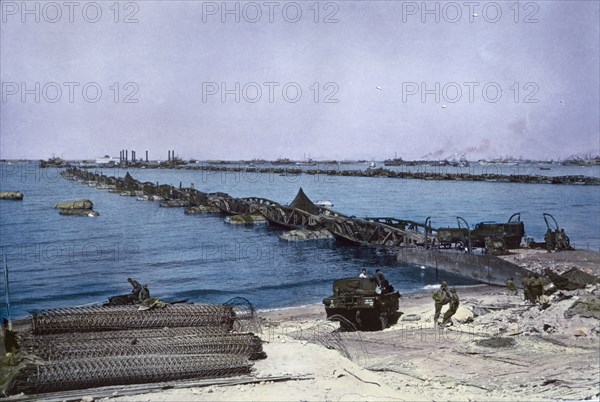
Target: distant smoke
[455,153]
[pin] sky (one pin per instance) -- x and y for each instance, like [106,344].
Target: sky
[320,79]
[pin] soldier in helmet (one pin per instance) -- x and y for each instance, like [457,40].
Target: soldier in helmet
[382,282]
[136,287]
[454,302]
[144,294]
[527,288]
[511,287]
[537,288]
[550,239]
[440,297]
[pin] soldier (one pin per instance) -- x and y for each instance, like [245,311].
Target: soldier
[144,294]
[549,239]
[454,302]
[511,287]
[382,282]
[527,291]
[379,277]
[537,288]
[136,287]
[10,338]
[561,240]
[441,297]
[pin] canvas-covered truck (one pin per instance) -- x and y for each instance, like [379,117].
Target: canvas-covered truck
[360,302]
[496,237]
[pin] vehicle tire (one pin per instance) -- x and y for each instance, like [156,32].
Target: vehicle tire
[357,319]
[498,244]
[383,319]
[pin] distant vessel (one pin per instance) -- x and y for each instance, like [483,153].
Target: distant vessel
[497,163]
[394,162]
[105,160]
[463,162]
[308,162]
[372,164]
[324,203]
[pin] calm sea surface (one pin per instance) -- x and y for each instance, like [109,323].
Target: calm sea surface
[57,261]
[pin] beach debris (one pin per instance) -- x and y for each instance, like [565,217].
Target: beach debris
[571,280]
[581,331]
[77,348]
[463,315]
[411,317]
[586,306]
[497,342]
[11,195]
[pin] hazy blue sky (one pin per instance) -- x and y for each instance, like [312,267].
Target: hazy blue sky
[376,78]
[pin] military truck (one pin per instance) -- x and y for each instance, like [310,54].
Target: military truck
[491,235]
[360,302]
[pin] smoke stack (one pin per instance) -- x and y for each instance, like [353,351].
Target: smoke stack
[126,156]
[146,156]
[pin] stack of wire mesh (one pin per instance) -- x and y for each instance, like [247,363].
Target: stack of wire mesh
[86,347]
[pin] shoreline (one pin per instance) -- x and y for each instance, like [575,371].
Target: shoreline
[499,349]
[414,360]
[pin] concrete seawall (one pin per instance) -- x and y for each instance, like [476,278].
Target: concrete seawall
[484,268]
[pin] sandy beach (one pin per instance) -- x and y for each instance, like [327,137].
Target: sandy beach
[499,348]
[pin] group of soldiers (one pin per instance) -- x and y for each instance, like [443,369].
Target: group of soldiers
[382,283]
[441,297]
[556,240]
[533,288]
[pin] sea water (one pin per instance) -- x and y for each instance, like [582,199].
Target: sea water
[58,261]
